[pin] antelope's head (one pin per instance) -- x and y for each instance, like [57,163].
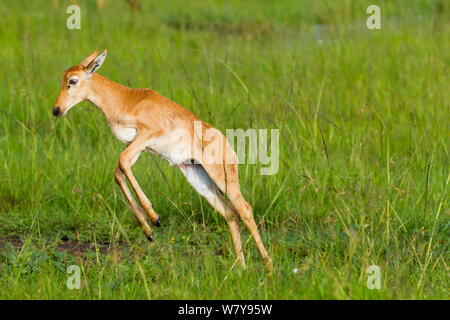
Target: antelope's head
[75,83]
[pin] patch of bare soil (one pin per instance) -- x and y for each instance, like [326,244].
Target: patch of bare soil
[67,245]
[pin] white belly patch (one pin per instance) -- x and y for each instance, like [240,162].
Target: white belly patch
[197,177]
[124,134]
[171,149]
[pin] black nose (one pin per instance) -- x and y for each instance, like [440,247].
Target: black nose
[56,111]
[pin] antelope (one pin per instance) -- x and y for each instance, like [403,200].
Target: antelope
[146,121]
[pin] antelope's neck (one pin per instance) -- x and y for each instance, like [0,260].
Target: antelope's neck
[107,95]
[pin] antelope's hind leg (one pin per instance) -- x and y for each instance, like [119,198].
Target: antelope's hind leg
[199,179]
[226,178]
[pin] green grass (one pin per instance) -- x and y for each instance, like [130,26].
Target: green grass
[364,160]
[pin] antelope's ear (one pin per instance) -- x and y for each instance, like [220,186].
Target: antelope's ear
[89,59]
[94,65]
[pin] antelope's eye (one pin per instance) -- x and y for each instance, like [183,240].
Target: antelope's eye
[73,82]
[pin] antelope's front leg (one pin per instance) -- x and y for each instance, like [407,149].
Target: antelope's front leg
[140,216]
[126,160]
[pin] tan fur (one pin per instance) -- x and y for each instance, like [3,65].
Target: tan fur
[154,118]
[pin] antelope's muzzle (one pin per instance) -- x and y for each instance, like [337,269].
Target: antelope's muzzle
[56,111]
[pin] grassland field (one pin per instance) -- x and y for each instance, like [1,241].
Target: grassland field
[363,176]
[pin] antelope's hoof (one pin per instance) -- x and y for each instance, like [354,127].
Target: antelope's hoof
[150,237]
[158,223]
[269,265]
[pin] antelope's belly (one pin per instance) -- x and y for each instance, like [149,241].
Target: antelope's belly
[124,134]
[173,149]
